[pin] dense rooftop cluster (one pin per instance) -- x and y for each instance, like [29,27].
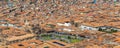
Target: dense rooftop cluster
[59,24]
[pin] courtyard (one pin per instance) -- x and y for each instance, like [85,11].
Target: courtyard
[60,37]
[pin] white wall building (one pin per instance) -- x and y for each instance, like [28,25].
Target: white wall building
[64,24]
[84,27]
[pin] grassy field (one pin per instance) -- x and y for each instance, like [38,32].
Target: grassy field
[74,40]
[64,38]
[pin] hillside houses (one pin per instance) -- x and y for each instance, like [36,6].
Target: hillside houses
[59,23]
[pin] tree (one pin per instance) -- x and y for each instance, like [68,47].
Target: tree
[113,30]
[72,22]
[51,26]
[100,29]
[76,24]
[46,47]
[69,37]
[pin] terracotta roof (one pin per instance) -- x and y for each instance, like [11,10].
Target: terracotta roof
[117,39]
[27,43]
[59,46]
[13,38]
[117,33]
[116,46]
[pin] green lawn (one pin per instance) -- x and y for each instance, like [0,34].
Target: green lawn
[64,38]
[46,37]
[74,40]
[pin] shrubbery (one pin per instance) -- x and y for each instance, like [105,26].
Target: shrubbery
[105,30]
